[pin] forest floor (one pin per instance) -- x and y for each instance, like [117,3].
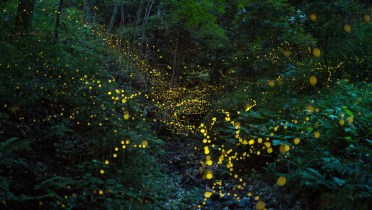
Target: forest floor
[183,161]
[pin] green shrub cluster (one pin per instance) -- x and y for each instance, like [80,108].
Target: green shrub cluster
[320,142]
[72,134]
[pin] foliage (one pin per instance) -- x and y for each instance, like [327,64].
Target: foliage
[336,171]
[107,114]
[64,114]
[327,166]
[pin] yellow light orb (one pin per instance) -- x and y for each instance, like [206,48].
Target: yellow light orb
[267,144]
[144,143]
[209,176]
[281,181]
[259,140]
[208,194]
[271,83]
[313,80]
[367,18]
[342,122]
[316,134]
[209,162]
[347,28]
[260,205]
[237,125]
[284,148]
[287,53]
[316,52]
[296,141]
[313,17]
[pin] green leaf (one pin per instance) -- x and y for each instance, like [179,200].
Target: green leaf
[339,181]
[350,113]
[277,142]
[348,138]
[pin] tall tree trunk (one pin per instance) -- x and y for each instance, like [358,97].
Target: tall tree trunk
[25,10]
[175,58]
[122,15]
[87,12]
[113,17]
[58,20]
[326,56]
[146,17]
[139,12]
[137,22]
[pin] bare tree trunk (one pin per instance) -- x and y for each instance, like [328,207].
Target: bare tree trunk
[158,14]
[326,62]
[137,22]
[175,59]
[25,10]
[146,17]
[122,15]
[87,12]
[58,19]
[139,12]
[113,17]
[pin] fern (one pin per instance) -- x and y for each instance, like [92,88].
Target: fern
[10,148]
[15,145]
[56,182]
[4,184]
[334,165]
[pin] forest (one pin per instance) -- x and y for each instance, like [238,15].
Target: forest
[186,104]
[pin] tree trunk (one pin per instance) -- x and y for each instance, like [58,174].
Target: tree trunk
[25,10]
[146,17]
[139,12]
[175,58]
[326,56]
[87,12]
[137,22]
[58,19]
[122,15]
[113,18]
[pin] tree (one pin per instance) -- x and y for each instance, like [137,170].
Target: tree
[58,19]
[25,10]
[192,28]
[113,17]
[333,24]
[266,41]
[87,10]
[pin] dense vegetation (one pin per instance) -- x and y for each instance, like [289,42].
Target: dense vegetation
[185,104]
